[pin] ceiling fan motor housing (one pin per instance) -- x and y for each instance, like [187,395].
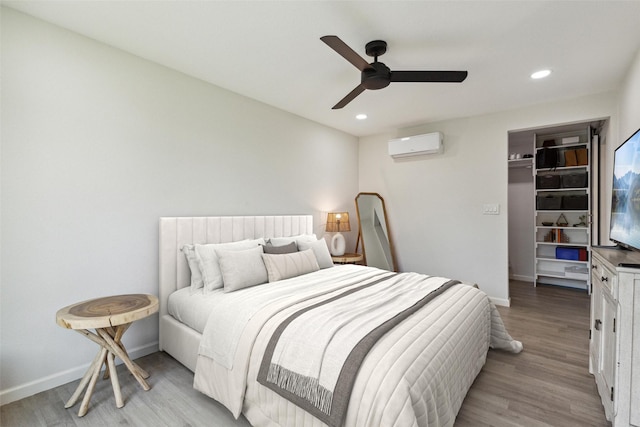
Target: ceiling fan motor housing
[376,77]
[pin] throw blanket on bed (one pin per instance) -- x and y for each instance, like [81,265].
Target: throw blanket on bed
[313,356]
[234,310]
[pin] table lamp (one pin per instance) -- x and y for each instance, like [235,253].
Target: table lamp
[337,222]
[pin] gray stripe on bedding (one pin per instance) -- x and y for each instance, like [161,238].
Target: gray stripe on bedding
[331,407]
[290,380]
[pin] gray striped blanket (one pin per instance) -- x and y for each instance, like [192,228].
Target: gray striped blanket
[313,356]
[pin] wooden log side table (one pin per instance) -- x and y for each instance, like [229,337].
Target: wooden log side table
[110,317]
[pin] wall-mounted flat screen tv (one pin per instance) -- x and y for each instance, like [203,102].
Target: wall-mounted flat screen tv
[625,203]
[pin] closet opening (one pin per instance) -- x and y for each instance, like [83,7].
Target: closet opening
[555,202]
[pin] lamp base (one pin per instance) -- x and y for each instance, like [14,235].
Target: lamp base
[338,245]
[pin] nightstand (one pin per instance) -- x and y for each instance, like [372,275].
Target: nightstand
[347,259]
[110,317]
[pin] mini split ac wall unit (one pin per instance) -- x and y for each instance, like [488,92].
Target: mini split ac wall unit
[417,145]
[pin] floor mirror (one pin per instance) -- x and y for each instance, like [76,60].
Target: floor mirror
[373,232]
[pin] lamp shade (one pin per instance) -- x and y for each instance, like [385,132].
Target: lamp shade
[337,222]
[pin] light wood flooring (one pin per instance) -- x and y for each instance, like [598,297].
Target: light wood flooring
[548,384]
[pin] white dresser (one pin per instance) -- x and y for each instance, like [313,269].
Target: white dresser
[614,354]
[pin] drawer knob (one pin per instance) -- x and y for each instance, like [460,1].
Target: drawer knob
[597,324]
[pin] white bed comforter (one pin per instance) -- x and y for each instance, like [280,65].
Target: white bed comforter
[417,374]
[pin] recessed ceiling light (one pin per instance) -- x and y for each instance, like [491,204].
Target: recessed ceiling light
[540,74]
[361,116]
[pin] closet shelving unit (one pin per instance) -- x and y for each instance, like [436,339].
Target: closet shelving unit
[555,242]
[520,163]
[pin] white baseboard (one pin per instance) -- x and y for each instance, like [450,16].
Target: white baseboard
[501,301]
[64,377]
[521,278]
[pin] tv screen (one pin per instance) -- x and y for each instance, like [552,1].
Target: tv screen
[625,203]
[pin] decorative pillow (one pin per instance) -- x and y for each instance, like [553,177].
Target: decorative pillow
[284,249]
[189,252]
[284,266]
[280,241]
[320,250]
[242,269]
[208,260]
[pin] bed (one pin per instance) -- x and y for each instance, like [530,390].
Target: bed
[409,360]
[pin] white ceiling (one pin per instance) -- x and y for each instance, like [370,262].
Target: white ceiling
[271,50]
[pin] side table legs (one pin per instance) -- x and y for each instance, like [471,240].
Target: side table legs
[114,380]
[84,406]
[111,346]
[116,349]
[97,361]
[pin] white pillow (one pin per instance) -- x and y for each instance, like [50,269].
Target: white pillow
[284,266]
[208,260]
[320,250]
[281,241]
[189,252]
[242,269]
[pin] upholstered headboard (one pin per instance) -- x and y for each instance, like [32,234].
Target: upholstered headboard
[176,232]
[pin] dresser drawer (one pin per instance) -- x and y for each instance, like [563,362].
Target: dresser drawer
[608,279]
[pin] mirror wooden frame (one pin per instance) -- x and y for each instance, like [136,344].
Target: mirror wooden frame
[389,257]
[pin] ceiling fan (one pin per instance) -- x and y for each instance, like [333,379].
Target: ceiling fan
[377,75]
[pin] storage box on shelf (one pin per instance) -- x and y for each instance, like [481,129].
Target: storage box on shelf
[574,180]
[558,180]
[577,272]
[562,217]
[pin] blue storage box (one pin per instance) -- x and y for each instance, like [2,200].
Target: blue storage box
[568,253]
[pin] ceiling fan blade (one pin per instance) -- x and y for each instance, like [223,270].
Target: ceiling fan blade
[429,76]
[350,97]
[346,52]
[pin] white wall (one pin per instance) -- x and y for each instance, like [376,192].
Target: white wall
[630,102]
[435,203]
[97,144]
[628,123]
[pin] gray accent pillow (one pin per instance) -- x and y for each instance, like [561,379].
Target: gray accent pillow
[269,248]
